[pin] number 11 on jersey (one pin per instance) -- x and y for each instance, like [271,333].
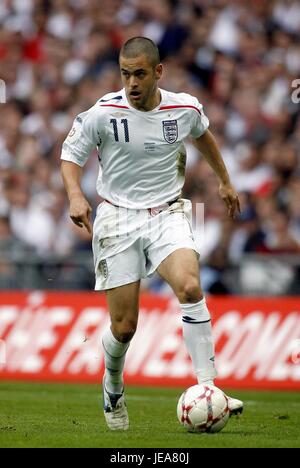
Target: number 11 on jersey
[124,122]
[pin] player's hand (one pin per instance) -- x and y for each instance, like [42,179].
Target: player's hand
[231,198]
[80,212]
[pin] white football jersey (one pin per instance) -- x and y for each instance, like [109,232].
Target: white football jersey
[142,154]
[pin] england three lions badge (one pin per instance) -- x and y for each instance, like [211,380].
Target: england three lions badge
[170,129]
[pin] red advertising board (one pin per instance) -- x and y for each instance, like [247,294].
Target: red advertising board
[57,337]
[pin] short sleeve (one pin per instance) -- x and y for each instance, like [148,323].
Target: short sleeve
[80,142]
[199,121]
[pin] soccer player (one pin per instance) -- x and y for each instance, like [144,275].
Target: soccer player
[143,225]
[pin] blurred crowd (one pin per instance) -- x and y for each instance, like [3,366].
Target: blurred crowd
[241,59]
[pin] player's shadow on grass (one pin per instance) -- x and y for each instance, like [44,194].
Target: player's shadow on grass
[226,433]
[239,433]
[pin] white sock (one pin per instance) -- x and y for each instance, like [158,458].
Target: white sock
[115,353]
[197,334]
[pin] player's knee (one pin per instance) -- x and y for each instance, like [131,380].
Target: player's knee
[125,330]
[190,291]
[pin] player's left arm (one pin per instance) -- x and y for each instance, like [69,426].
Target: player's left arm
[207,145]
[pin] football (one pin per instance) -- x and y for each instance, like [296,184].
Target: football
[203,408]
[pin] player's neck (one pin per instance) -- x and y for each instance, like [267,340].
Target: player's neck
[152,103]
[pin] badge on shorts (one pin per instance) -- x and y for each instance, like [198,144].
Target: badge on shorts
[170,129]
[103,268]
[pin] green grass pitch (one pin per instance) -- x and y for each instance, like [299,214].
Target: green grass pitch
[55,415]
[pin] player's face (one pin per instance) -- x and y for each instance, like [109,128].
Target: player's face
[140,79]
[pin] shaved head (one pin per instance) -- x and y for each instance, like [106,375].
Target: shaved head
[141,46]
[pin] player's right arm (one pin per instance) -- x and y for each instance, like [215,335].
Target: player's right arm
[75,152]
[80,209]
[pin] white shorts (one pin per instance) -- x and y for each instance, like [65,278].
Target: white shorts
[129,245]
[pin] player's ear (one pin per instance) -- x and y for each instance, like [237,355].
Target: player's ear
[158,71]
